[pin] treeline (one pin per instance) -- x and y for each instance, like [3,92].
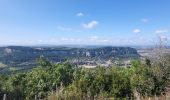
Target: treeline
[64,81]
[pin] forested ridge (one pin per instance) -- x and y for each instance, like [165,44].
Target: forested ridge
[24,58]
[18,54]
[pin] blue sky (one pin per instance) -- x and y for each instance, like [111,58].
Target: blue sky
[90,22]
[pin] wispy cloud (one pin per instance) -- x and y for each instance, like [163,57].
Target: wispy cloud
[99,39]
[80,14]
[94,38]
[136,30]
[61,28]
[67,29]
[91,24]
[161,31]
[144,20]
[70,40]
[164,38]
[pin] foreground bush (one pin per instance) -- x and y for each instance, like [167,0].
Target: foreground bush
[65,82]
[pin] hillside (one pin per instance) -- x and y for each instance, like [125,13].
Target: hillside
[25,57]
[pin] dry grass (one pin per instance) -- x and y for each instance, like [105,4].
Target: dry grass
[76,97]
[160,97]
[60,94]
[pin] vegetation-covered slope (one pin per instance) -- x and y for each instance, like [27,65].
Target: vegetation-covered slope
[25,57]
[65,82]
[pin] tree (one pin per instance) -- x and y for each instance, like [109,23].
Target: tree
[141,79]
[43,62]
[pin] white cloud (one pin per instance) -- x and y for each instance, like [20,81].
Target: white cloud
[144,20]
[61,28]
[80,14]
[91,24]
[136,31]
[105,40]
[161,31]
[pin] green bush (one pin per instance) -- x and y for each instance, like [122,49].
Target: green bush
[65,82]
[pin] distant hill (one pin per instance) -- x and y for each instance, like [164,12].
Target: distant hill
[20,56]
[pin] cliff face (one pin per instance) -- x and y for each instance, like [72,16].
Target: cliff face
[14,55]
